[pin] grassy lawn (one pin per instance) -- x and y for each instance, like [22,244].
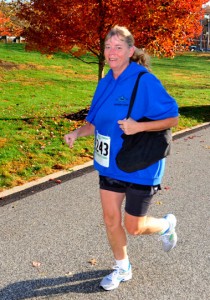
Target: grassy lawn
[37,91]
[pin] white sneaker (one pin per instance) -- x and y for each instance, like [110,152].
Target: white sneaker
[112,281]
[169,239]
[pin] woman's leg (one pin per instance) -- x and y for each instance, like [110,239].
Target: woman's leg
[137,222]
[144,225]
[148,225]
[111,205]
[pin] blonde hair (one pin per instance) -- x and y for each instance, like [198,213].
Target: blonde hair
[139,56]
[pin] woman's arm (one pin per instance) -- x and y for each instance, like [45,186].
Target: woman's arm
[85,130]
[159,124]
[130,126]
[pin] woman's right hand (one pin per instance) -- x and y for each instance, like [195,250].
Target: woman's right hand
[85,130]
[70,138]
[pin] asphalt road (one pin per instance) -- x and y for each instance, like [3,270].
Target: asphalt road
[53,242]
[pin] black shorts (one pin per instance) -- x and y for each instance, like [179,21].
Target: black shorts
[138,197]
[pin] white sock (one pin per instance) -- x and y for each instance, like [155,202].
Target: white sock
[123,263]
[165,226]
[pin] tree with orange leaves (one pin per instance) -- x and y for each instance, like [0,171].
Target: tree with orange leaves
[9,24]
[4,24]
[160,26]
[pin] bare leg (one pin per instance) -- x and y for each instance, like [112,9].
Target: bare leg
[143,225]
[111,204]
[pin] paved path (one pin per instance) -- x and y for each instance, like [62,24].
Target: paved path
[61,228]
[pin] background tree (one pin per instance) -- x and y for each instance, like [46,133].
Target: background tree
[160,26]
[4,22]
[10,24]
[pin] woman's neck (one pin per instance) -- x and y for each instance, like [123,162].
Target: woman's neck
[117,73]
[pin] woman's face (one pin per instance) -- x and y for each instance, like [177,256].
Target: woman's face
[117,54]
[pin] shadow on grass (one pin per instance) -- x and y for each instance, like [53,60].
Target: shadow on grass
[200,112]
[82,283]
[77,116]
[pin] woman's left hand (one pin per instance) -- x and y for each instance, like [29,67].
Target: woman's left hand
[130,126]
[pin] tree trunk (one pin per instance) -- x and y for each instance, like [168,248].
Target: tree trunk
[101,64]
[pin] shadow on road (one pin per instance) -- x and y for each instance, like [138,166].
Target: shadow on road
[84,283]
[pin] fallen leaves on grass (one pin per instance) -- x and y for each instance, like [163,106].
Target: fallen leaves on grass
[58,167]
[3,141]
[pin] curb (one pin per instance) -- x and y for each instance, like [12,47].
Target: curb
[19,192]
[183,133]
[30,188]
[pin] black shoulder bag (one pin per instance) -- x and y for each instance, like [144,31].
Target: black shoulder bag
[142,149]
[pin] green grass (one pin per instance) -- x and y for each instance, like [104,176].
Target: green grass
[36,92]
[187,79]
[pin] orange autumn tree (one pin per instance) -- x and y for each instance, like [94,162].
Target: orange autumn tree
[161,27]
[9,24]
[3,24]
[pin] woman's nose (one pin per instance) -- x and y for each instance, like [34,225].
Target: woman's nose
[112,50]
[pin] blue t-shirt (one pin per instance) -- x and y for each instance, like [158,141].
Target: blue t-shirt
[110,104]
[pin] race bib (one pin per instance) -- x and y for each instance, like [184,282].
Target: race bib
[102,150]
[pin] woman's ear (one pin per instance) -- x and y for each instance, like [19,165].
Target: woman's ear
[132,50]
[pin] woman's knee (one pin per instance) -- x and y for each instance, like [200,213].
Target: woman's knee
[111,205]
[134,230]
[112,221]
[135,225]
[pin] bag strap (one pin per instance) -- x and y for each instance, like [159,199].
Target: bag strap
[133,95]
